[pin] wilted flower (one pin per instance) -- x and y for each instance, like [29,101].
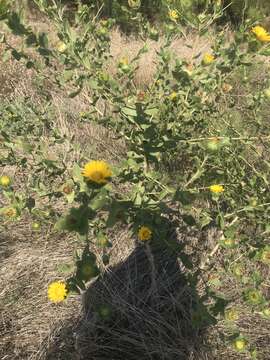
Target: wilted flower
[238,270]
[144,233]
[11,212]
[265,255]
[253,296]
[227,87]
[232,314]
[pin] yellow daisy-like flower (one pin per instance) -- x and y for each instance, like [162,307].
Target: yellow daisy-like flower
[240,344]
[97,171]
[61,46]
[216,189]
[57,291]
[173,15]
[173,96]
[11,212]
[208,59]
[261,34]
[5,180]
[144,233]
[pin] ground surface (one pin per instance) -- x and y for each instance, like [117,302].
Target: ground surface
[32,328]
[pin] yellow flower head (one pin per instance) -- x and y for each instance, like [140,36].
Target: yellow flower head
[5,180]
[11,212]
[61,46]
[144,233]
[97,171]
[208,59]
[123,61]
[57,291]
[232,314]
[261,34]
[216,189]
[173,96]
[240,344]
[265,256]
[35,226]
[173,15]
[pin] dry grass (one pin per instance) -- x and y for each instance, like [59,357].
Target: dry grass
[28,263]
[147,323]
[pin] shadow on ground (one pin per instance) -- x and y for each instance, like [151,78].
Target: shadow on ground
[142,308]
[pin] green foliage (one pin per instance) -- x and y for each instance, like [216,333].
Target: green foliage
[179,117]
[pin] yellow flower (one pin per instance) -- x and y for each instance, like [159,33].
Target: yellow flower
[97,171]
[208,59]
[35,226]
[11,212]
[144,233]
[265,256]
[57,291]
[216,189]
[231,314]
[173,96]
[173,15]
[240,344]
[5,180]
[261,34]
[123,61]
[61,46]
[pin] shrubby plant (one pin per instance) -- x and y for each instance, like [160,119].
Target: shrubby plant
[180,117]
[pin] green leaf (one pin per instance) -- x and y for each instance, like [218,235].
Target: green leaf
[219,306]
[189,220]
[65,268]
[43,40]
[14,23]
[152,111]
[77,173]
[86,270]
[129,111]
[100,200]
[102,240]
[113,216]
[76,220]
[186,261]
[184,197]
[30,203]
